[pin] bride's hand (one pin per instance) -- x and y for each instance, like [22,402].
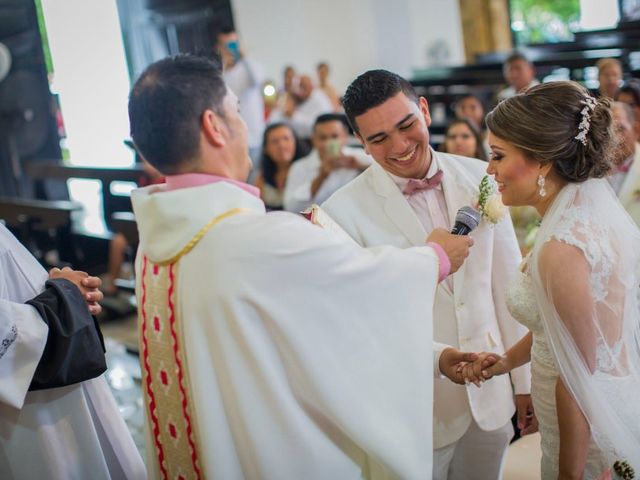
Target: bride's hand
[486,366]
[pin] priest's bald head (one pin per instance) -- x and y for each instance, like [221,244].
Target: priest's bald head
[184,119]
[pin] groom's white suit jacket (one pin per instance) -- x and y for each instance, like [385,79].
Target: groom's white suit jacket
[474,316]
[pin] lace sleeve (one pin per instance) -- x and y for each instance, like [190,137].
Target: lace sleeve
[566,277]
[594,242]
[585,272]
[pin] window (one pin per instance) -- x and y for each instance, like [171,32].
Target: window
[550,21]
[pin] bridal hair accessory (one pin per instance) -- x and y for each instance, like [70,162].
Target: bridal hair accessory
[541,191]
[589,106]
[489,202]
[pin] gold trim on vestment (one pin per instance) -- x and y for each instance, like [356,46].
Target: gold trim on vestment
[198,236]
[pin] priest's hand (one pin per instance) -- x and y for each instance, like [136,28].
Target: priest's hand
[89,286]
[455,246]
[452,361]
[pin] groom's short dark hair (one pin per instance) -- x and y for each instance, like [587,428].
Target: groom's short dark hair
[372,89]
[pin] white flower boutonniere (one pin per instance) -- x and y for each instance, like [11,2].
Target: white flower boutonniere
[490,202]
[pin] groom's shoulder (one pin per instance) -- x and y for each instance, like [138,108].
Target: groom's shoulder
[357,190]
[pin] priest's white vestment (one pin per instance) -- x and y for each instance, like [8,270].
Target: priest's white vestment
[73,432]
[272,349]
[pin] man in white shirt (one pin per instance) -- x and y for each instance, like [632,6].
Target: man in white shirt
[407,192]
[330,165]
[625,178]
[245,77]
[519,73]
[302,107]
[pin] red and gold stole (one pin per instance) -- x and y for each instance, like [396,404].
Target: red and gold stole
[165,378]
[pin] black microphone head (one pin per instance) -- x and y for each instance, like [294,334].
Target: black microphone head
[468,216]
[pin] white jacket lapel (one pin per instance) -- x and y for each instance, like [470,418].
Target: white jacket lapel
[396,206]
[458,191]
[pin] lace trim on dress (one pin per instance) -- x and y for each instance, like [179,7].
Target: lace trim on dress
[576,229]
[593,240]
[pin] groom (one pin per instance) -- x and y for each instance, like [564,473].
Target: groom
[407,192]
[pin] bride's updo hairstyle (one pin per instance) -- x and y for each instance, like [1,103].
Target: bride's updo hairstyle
[544,122]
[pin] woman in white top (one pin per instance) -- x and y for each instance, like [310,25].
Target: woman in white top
[280,148]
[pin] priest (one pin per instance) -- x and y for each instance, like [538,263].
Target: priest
[270,347]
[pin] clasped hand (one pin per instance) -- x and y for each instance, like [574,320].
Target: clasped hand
[487,365]
[464,368]
[89,286]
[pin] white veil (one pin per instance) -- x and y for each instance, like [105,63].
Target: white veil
[594,337]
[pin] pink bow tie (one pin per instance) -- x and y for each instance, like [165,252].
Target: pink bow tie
[414,185]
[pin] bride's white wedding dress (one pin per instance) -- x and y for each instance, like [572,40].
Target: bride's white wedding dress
[522,305]
[596,351]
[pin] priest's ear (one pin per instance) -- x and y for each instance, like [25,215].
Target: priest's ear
[212,127]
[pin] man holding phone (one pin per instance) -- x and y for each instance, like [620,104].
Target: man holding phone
[245,77]
[330,165]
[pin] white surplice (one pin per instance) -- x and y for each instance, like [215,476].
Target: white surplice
[73,432]
[298,354]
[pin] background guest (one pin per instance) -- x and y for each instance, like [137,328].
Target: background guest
[629,93]
[330,165]
[245,77]
[280,148]
[471,108]
[519,73]
[609,76]
[289,79]
[625,178]
[302,107]
[325,85]
[462,138]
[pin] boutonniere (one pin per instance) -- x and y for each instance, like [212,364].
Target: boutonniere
[490,202]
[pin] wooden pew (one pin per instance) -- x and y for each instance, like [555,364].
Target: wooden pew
[28,218]
[111,203]
[38,214]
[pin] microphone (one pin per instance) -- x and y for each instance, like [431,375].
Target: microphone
[467,219]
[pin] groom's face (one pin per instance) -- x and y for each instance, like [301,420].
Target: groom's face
[396,135]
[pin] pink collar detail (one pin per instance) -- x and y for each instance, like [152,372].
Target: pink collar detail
[185,180]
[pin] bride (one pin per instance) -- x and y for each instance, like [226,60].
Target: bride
[577,291]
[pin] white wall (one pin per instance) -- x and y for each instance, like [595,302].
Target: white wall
[352,35]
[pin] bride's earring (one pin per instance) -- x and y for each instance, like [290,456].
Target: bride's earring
[541,191]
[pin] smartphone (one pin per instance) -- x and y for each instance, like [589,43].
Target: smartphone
[234,49]
[333,148]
